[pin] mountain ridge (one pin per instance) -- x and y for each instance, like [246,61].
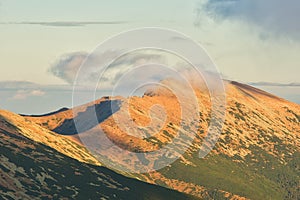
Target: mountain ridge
[257,155]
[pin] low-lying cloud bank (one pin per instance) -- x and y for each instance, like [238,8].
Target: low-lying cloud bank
[24,94]
[27,85]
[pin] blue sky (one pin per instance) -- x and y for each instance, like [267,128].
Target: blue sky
[250,41]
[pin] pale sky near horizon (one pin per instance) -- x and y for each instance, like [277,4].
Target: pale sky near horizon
[241,50]
[257,41]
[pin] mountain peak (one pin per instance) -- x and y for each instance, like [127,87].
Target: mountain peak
[257,151]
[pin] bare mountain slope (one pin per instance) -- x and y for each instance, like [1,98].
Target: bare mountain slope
[257,155]
[32,170]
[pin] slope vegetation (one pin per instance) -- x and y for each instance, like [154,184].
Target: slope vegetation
[32,170]
[257,155]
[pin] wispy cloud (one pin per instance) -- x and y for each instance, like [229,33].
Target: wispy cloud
[276,16]
[67,23]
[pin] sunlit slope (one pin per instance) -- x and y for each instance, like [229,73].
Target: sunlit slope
[256,156]
[32,170]
[45,136]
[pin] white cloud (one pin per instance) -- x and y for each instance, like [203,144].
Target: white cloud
[274,16]
[247,49]
[68,66]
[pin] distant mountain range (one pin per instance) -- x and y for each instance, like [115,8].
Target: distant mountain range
[256,157]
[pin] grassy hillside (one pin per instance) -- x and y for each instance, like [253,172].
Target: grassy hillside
[266,179]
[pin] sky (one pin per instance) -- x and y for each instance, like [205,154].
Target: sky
[250,41]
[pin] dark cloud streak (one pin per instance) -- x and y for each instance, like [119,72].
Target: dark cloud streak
[67,23]
[275,84]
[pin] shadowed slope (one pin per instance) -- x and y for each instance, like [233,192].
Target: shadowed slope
[100,111]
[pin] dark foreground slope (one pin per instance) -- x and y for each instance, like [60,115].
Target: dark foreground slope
[31,170]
